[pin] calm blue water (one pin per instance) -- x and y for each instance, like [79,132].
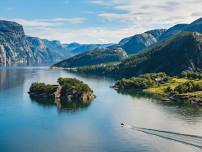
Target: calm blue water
[29,126]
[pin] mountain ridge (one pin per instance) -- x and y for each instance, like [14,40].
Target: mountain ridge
[17,48]
[94,57]
[138,42]
[180,52]
[171,56]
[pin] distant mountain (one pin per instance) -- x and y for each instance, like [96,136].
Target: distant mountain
[72,46]
[195,26]
[156,33]
[172,31]
[13,45]
[138,42]
[93,57]
[180,52]
[47,52]
[17,48]
[124,41]
[77,48]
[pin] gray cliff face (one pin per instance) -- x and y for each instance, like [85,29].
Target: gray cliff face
[13,46]
[47,52]
[16,48]
[138,42]
[156,33]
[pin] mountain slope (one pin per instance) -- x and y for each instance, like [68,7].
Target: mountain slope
[180,52]
[13,46]
[138,42]
[96,56]
[47,52]
[172,31]
[76,48]
[195,26]
[17,48]
[156,33]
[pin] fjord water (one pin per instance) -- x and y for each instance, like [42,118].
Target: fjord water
[28,125]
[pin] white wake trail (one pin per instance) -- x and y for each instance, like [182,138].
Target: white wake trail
[192,140]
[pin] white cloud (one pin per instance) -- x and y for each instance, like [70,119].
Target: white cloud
[54,22]
[154,13]
[134,16]
[84,35]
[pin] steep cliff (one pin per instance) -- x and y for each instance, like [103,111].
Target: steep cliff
[47,52]
[13,45]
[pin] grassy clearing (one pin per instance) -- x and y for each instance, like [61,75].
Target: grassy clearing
[173,83]
[174,88]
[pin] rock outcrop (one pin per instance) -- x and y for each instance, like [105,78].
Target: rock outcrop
[138,42]
[16,48]
[13,45]
[68,89]
[47,52]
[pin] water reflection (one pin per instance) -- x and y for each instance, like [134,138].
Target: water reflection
[62,106]
[48,125]
[11,78]
[139,94]
[182,108]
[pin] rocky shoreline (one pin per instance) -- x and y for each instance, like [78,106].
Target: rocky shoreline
[181,98]
[68,89]
[168,89]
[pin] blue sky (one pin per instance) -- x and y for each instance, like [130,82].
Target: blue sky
[97,21]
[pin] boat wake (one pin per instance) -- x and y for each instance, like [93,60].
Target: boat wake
[192,140]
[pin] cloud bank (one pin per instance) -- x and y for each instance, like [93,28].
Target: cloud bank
[125,17]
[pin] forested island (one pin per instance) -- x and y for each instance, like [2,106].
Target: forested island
[186,87]
[67,89]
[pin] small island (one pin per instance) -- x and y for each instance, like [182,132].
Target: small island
[187,87]
[67,89]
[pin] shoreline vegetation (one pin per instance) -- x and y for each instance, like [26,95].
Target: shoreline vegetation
[67,90]
[187,87]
